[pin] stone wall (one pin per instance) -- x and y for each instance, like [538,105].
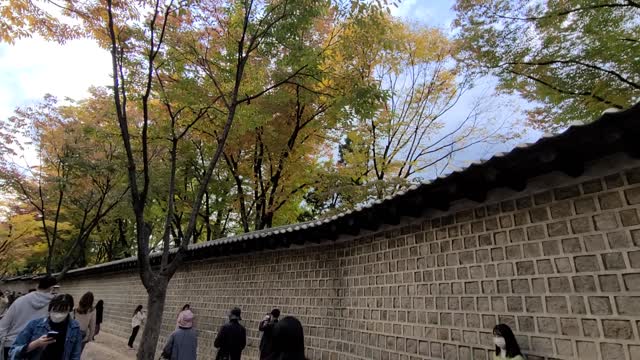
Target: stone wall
[559,263]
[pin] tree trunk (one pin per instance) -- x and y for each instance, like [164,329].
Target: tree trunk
[155,306]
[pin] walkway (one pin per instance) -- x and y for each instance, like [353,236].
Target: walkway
[108,347]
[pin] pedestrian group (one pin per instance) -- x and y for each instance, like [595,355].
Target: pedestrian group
[45,325]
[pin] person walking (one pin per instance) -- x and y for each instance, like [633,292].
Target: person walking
[183,342]
[99,314]
[231,338]
[86,317]
[506,344]
[266,327]
[23,310]
[136,321]
[185,308]
[288,340]
[53,337]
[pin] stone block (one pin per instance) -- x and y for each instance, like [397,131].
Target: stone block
[547,325]
[559,284]
[563,265]
[565,347]
[610,200]
[628,305]
[571,245]
[592,186]
[543,198]
[521,218]
[507,206]
[541,345]
[524,202]
[632,195]
[617,329]
[520,286]
[631,281]
[514,252]
[581,225]
[503,287]
[515,235]
[491,224]
[585,205]
[506,221]
[526,324]
[613,181]
[594,242]
[577,305]
[556,304]
[533,304]
[612,351]
[536,232]
[587,350]
[584,284]
[539,214]
[600,305]
[586,263]
[613,261]
[633,176]
[544,266]
[590,328]
[471,242]
[514,304]
[619,240]
[550,247]
[634,259]
[489,321]
[538,285]
[497,304]
[567,192]
[560,210]
[634,352]
[606,221]
[530,250]
[629,217]
[569,327]
[558,228]
[609,283]
[525,268]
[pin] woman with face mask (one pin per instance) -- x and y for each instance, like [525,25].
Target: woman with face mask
[506,344]
[55,337]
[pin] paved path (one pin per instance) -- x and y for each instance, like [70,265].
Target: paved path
[108,347]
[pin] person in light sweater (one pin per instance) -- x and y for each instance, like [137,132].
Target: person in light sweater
[136,321]
[506,344]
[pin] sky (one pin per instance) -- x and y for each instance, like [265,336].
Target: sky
[31,68]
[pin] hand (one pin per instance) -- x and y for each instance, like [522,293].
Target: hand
[41,342]
[267,318]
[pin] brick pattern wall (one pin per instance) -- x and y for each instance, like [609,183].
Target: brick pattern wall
[560,266]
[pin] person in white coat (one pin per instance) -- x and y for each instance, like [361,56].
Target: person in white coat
[136,321]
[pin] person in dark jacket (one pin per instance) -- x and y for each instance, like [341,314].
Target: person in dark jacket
[99,315]
[288,340]
[232,338]
[266,326]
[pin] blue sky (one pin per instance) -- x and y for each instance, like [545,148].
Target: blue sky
[32,68]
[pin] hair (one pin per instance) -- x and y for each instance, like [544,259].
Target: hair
[185,307]
[62,302]
[511,344]
[32,290]
[138,309]
[85,304]
[99,304]
[275,312]
[288,339]
[47,282]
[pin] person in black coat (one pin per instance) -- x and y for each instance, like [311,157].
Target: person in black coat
[232,338]
[288,340]
[266,326]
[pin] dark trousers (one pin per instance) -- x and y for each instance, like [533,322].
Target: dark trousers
[6,353]
[134,333]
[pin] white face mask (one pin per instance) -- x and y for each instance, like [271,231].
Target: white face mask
[58,317]
[500,342]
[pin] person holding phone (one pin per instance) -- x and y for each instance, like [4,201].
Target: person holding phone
[55,337]
[266,327]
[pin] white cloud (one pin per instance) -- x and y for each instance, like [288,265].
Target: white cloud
[34,67]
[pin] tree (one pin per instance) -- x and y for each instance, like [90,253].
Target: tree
[20,237]
[222,46]
[72,185]
[406,133]
[573,59]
